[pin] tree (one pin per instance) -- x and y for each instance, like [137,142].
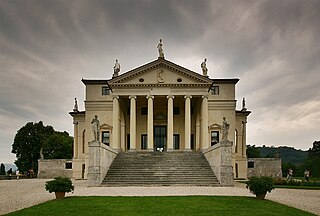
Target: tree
[313,160]
[253,151]
[58,146]
[2,169]
[32,137]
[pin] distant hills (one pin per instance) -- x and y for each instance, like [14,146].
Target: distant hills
[9,165]
[287,154]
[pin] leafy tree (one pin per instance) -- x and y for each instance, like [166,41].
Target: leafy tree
[58,146]
[313,160]
[32,137]
[2,169]
[253,151]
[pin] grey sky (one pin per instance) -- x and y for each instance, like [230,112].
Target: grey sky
[46,47]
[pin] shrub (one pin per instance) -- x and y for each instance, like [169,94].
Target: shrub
[260,185]
[59,184]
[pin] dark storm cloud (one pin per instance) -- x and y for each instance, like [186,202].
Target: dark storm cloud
[272,46]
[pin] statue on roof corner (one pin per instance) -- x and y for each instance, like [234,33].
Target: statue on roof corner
[116,69]
[75,108]
[244,105]
[204,68]
[160,49]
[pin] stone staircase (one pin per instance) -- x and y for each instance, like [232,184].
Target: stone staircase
[160,169]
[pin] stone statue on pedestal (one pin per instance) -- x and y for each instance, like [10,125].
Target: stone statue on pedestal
[244,104]
[225,129]
[160,49]
[75,108]
[204,67]
[41,154]
[95,128]
[116,69]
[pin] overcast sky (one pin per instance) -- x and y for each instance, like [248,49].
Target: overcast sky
[272,46]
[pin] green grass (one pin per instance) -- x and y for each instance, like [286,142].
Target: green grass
[173,205]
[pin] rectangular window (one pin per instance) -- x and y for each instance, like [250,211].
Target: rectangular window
[144,110]
[176,111]
[105,90]
[106,137]
[176,141]
[144,141]
[215,90]
[68,165]
[214,137]
[250,164]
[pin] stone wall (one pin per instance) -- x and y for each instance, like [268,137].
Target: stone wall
[264,167]
[101,157]
[50,168]
[219,157]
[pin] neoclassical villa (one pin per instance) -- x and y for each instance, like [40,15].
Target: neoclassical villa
[159,106]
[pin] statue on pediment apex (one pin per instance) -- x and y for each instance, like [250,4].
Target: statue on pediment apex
[160,49]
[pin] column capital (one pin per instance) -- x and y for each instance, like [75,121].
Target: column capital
[244,122]
[204,96]
[187,96]
[150,96]
[115,97]
[170,96]
[132,97]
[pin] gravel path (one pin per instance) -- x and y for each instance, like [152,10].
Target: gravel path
[19,194]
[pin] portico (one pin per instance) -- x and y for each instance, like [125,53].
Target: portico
[143,113]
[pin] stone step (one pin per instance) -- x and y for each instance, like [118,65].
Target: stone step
[160,169]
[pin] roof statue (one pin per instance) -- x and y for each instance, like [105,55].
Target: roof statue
[204,67]
[160,49]
[244,105]
[75,108]
[116,69]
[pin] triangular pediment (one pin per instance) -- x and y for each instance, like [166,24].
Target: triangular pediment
[160,72]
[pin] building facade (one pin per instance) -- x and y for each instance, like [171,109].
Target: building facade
[159,106]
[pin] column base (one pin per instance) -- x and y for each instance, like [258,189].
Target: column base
[188,150]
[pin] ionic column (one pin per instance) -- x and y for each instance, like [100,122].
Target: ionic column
[244,131]
[187,122]
[170,122]
[76,140]
[115,123]
[133,122]
[204,122]
[150,121]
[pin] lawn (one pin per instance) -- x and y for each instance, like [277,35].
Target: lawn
[172,205]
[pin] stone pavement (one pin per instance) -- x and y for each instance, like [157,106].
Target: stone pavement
[19,194]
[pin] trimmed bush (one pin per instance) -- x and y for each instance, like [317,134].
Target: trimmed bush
[59,184]
[260,185]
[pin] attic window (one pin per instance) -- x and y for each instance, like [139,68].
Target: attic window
[179,80]
[141,80]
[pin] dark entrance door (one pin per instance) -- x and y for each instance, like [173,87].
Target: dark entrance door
[160,138]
